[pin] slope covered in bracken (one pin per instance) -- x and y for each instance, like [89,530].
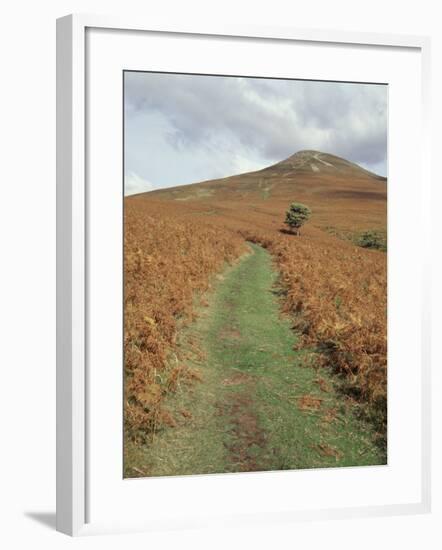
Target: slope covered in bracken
[341,194]
[335,291]
[337,295]
[167,264]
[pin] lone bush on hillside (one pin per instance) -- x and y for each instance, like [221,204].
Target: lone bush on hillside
[296,216]
[371,239]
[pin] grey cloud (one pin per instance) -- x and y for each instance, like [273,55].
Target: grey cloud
[263,119]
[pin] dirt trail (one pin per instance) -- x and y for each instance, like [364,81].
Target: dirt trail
[261,404]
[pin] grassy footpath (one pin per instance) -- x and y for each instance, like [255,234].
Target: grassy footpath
[261,405]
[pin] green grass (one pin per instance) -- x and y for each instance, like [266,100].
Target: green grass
[261,405]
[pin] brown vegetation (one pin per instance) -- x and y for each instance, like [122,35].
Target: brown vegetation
[335,291]
[167,263]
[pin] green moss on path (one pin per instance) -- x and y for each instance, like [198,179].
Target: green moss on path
[261,404]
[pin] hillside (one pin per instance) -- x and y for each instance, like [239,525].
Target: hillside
[342,195]
[179,243]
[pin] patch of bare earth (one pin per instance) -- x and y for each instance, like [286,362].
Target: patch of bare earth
[327,450]
[247,439]
[236,379]
[230,334]
[309,403]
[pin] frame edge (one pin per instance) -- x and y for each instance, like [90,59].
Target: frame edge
[70,388]
[71,491]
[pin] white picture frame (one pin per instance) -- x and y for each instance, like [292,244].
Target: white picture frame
[74,479]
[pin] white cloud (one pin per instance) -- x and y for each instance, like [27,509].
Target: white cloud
[133,183]
[186,128]
[243,163]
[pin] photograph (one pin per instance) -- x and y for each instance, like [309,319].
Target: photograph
[222,254]
[255,274]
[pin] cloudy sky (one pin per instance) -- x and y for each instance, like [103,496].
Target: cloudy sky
[181,129]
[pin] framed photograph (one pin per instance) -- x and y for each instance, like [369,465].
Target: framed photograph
[235,214]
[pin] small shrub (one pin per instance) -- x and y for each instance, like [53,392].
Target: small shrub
[371,239]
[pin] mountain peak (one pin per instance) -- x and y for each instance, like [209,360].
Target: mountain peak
[306,157]
[310,160]
[306,172]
